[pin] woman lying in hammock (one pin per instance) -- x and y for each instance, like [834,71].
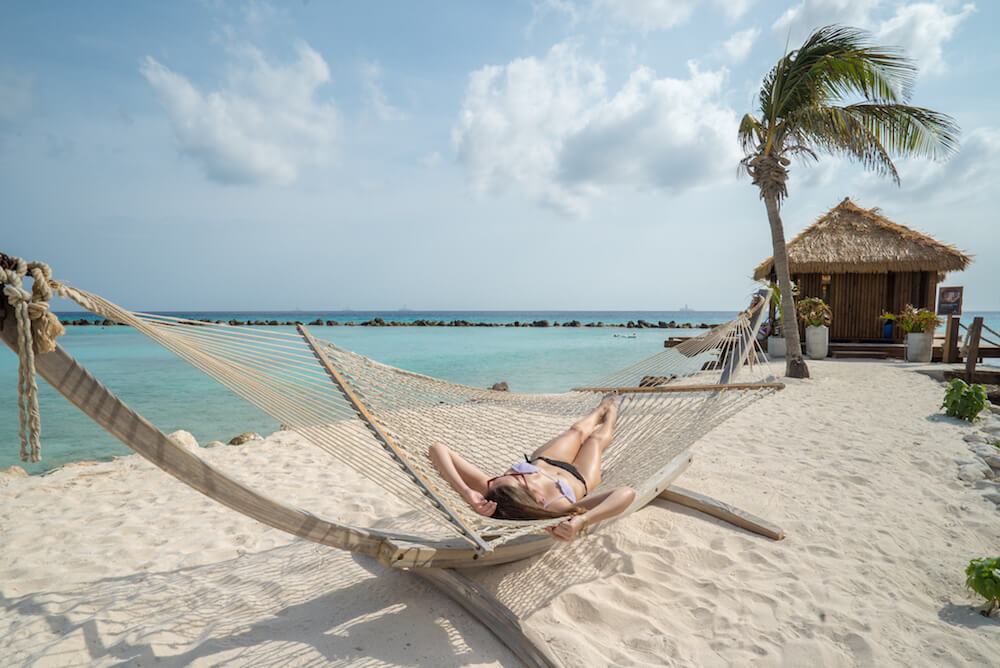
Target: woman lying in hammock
[554,482]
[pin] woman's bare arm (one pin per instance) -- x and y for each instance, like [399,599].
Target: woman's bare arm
[463,476]
[599,507]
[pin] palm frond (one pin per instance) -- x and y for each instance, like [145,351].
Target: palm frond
[835,63]
[750,133]
[842,62]
[909,130]
[807,105]
[836,131]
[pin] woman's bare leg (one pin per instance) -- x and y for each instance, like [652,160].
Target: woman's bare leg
[588,458]
[567,445]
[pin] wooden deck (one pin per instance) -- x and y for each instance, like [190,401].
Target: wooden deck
[982,375]
[898,350]
[863,350]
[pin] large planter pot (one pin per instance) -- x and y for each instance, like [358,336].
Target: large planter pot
[817,342]
[776,346]
[919,346]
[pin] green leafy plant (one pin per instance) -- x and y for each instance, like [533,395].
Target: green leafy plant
[983,577]
[915,320]
[814,312]
[964,401]
[775,325]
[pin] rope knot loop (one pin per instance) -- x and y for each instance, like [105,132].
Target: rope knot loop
[37,330]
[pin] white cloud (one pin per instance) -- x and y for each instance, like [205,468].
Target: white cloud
[737,47]
[431,160]
[262,126]
[967,176]
[541,8]
[797,22]
[734,9]
[372,74]
[16,94]
[259,12]
[650,15]
[919,28]
[549,129]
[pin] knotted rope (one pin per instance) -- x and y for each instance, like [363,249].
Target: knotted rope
[37,330]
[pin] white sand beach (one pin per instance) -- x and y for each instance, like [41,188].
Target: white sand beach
[118,563]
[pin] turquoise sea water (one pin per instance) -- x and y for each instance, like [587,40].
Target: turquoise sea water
[173,395]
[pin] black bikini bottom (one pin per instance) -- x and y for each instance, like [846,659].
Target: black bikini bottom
[565,466]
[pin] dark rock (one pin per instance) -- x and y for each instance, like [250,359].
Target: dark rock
[500,387]
[245,437]
[654,381]
[316,323]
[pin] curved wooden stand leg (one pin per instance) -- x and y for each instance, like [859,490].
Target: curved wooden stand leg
[722,511]
[493,614]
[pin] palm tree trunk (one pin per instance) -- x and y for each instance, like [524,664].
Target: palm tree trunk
[795,366]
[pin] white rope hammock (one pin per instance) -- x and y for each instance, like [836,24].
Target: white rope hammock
[380,421]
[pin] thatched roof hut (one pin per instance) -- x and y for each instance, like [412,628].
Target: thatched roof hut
[863,264]
[849,239]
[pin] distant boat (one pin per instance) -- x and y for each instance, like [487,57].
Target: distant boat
[686,309]
[633,335]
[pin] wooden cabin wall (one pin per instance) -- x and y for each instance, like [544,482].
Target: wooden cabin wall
[859,300]
[856,300]
[930,295]
[918,288]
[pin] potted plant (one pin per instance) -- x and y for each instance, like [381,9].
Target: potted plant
[776,346]
[817,316]
[919,326]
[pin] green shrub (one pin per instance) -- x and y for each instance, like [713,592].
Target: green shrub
[964,401]
[984,579]
[912,319]
[814,311]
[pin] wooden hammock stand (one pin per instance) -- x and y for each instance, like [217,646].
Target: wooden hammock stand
[434,562]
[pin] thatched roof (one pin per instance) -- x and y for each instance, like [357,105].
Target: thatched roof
[849,239]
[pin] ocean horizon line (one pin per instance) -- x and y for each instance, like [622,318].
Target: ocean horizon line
[411,317]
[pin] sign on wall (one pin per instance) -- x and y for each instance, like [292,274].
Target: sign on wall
[950,300]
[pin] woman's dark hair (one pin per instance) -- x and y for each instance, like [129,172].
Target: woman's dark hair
[515,502]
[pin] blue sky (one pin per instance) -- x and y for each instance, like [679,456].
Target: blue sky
[449,155]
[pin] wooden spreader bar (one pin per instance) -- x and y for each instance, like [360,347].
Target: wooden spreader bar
[684,388]
[481,546]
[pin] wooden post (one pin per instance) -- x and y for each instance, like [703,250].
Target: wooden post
[949,355]
[723,511]
[972,357]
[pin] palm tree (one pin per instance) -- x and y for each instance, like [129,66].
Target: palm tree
[803,111]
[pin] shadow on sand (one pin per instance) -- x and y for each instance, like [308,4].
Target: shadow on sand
[299,604]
